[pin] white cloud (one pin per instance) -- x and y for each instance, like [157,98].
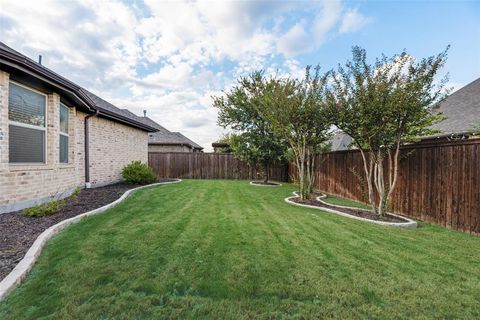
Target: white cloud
[295,41]
[326,19]
[170,57]
[353,21]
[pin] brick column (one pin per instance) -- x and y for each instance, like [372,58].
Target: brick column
[4,78]
[53,128]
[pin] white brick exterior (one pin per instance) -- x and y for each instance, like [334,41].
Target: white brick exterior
[112,145]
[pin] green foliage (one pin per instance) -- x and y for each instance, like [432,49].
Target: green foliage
[50,207]
[44,209]
[297,111]
[384,105]
[253,141]
[137,172]
[258,150]
[388,102]
[476,130]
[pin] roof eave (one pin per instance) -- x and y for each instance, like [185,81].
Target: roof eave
[29,68]
[37,71]
[119,118]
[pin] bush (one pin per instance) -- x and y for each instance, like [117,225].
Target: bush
[44,209]
[50,207]
[138,172]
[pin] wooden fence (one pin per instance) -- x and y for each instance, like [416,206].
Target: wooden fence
[438,183]
[208,166]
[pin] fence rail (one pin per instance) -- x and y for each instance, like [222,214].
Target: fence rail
[208,166]
[437,182]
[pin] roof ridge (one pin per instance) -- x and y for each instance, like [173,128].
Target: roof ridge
[85,96]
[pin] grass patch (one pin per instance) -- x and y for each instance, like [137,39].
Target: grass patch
[225,250]
[339,201]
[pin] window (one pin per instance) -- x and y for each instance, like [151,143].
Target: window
[63,134]
[27,124]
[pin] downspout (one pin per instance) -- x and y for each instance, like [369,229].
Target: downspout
[87,150]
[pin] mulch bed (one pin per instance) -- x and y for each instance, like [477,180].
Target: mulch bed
[17,232]
[262,183]
[351,211]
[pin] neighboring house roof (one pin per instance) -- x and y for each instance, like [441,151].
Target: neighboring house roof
[192,143]
[220,145]
[340,141]
[13,60]
[163,136]
[152,123]
[462,109]
[107,108]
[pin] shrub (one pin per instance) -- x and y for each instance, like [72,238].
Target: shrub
[50,207]
[44,209]
[138,172]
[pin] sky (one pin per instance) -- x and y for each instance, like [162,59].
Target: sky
[171,57]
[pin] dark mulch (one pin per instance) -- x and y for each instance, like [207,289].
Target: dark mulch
[263,183]
[17,232]
[351,211]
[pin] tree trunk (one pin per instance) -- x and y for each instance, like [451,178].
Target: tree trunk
[369,168]
[265,174]
[302,173]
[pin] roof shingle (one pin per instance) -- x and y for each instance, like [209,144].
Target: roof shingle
[462,109]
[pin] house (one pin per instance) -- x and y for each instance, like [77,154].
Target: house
[221,147]
[340,141]
[462,109]
[56,136]
[167,141]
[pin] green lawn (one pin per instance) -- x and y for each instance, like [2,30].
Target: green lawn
[345,202]
[228,250]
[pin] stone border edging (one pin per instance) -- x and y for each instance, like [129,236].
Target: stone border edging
[265,185]
[16,276]
[409,224]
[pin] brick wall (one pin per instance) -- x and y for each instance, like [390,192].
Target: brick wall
[112,145]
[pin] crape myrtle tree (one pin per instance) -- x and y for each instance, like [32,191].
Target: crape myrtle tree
[298,112]
[253,140]
[382,106]
[258,150]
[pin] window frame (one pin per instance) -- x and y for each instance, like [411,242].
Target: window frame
[63,133]
[30,126]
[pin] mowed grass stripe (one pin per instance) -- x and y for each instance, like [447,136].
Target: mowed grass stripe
[227,250]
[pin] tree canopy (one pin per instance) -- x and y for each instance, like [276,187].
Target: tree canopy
[384,105]
[297,111]
[253,139]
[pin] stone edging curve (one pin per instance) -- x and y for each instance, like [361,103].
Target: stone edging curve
[266,185]
[16,276]
[409,224]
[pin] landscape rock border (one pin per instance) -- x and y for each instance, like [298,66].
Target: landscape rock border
[276,184]
[408,224]
[18,274]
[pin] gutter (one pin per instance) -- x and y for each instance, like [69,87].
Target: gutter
[62,86]
[87,149]
[128,121]
[447,135]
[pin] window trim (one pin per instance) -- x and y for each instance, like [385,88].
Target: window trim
[63,133]
[30,126]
